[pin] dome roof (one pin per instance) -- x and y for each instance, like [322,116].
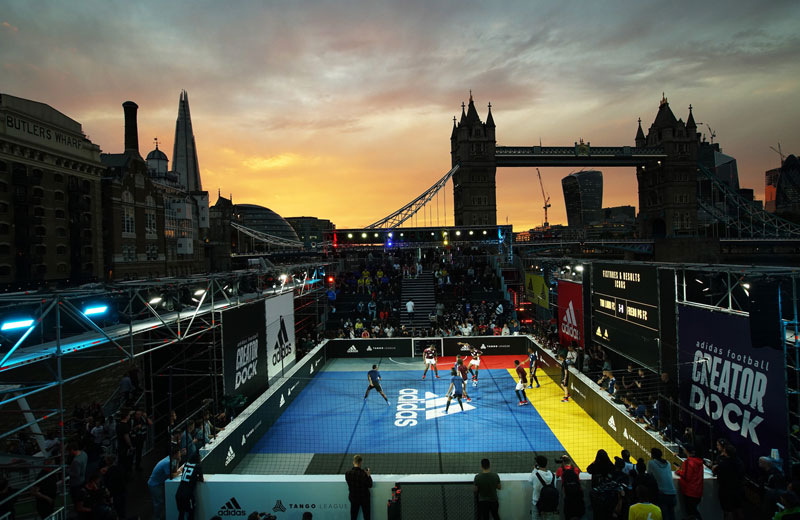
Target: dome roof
[263,219]
[157,154]
[791,163]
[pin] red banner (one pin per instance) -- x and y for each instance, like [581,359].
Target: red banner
[570,313]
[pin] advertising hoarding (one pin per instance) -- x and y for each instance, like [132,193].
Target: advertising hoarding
[570,313]
[281,345]
[369,347]
[536,290]
[725,380]
[244,348]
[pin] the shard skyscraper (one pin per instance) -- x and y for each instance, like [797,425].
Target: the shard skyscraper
[184,153]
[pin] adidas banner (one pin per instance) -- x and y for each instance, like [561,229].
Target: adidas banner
[536,290]
[625,310]
[244,350]
[239,437]
[279,312]
[723,379]
[490,345]
[570,313]
[370,347]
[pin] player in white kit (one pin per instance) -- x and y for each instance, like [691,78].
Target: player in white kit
[475,362]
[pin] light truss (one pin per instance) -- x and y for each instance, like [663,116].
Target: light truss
[397,218]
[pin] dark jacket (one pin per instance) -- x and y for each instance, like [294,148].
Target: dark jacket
[358,482]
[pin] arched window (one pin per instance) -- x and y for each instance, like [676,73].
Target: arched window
[127,197]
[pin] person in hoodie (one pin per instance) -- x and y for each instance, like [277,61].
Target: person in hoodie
[691,482]
[662,472]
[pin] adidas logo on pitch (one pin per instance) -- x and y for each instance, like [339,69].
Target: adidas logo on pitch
[410,406]
[231,508]
[283,401]
[611,423]
[244,440]
[569,325]
[230,456]
[352,350]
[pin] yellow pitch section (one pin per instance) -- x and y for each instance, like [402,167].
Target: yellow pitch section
[580,435]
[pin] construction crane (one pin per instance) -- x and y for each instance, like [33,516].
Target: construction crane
[545,198]
[778,151]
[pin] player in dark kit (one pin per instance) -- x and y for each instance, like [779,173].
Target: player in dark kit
[564,377]
[429,355]
[191,474]
[523,380]
[374,378]
[533,358]
[476,362]
[457,389]
[461,370]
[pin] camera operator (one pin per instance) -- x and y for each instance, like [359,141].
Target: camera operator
[359,482]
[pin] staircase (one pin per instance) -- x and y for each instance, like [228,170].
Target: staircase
[421,290]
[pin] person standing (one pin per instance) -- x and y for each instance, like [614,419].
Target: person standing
[544,500]
[191,474]
[462,371]
[124,441]
[643,509]
[45,490]
[456,390]
[730,480]
[485,486]
[430,356]
[661,470]
[77,470]
[410,310]
[691,482]
[161,473]
[374,378]
[533,359]
[521,383]
[139,425]
[359,482]
[564,377]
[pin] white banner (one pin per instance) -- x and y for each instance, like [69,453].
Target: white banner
[280,333]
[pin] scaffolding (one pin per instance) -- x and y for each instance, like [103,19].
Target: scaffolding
[169,327]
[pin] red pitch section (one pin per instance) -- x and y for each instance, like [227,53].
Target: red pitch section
[488,361]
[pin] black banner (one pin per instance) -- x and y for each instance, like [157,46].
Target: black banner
[369,347]
[490,345]
[625,310]
[239,438]
[740,388]
[244,347]
[614,419]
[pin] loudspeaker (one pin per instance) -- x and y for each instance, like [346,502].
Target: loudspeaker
[765,315]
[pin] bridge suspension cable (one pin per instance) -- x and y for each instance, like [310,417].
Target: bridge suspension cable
[408,211]
[267,238]
[740,216]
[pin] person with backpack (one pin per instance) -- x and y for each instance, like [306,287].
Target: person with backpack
[574,504]
[544,500]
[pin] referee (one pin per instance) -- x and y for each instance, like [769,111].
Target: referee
[374,378]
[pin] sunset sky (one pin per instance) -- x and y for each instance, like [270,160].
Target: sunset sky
[343,109]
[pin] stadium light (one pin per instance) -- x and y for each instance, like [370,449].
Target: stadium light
[283,277]
[445,242]
[484,231]
[579,268]
[156,300]
[458,233]
[376,235]
[19,324]
[363,235]
[471,232]
[349,235]
[390,234]
[199,292]
[98,309]
[746,285]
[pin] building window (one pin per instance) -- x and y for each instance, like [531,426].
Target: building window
[61,250]
[3,187]
[41,269]
[87,250]
[5,270]
[128,220]
[38,211]
[5,249]
[40,231]
[127,197]
[150,222]
[57,177]
[38,192]
[3,207]
[40,250]
[59,195]
[129,253]
[60,213]
[62,268]
[149,201]
[152,252]
[62,232]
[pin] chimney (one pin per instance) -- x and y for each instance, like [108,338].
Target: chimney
[131,128]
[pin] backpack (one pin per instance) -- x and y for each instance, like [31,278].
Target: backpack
[574,505]
[548,498]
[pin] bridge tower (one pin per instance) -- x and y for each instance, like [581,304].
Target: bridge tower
[472,146]
[668,187]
